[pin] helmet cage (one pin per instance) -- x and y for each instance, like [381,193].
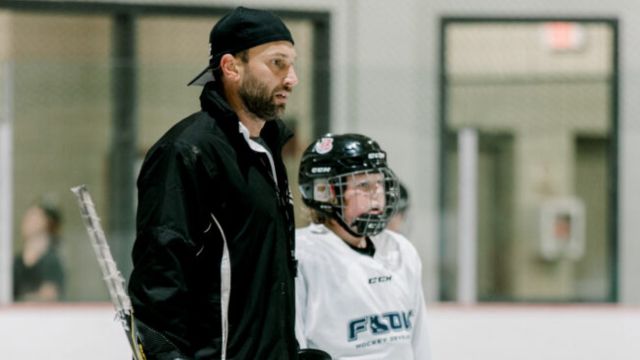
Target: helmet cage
[328,197]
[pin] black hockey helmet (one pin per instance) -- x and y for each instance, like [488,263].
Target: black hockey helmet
[324,170]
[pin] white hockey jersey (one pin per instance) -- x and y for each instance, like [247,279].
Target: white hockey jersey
[355,306]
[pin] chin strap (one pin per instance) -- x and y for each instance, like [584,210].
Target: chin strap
[366,224]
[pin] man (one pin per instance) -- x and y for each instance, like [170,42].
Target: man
[214,263]
[359,288]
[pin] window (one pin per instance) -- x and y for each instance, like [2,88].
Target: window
[540,97]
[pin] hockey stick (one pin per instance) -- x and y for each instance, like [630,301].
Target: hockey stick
[112,277]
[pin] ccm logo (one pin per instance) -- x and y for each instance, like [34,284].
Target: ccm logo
[377,155]
[320,170]
[379,279]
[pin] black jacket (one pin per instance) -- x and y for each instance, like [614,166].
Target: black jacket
[203,197]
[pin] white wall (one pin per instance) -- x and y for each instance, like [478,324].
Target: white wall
[70,332]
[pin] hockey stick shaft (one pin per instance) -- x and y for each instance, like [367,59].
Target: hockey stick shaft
[112,277]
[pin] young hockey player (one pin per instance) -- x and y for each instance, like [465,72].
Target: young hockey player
[359,288]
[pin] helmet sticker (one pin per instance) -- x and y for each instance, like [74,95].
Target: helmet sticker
[324,145]
[321,190]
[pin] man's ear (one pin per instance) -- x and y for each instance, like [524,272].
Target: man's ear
[229,66]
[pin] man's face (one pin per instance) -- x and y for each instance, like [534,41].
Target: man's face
[364,194]
[268,78]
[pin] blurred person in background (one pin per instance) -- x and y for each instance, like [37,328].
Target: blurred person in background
[214,262]
[38,273]
[399,222]
[359,287]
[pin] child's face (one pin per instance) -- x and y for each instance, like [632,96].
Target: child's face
[365,193]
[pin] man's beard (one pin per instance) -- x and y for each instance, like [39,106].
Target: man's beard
[258,100]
